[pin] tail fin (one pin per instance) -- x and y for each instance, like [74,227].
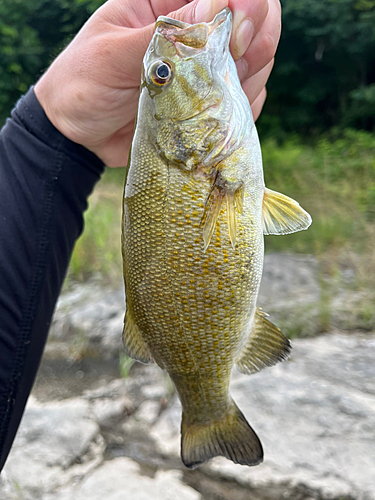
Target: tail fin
[231,436]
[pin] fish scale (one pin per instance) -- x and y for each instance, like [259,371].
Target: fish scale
[195,207]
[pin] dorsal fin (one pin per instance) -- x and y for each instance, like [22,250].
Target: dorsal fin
[282,215]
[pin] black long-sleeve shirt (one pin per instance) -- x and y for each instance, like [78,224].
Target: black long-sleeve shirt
[45,180]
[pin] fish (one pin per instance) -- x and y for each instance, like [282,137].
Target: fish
[195,211]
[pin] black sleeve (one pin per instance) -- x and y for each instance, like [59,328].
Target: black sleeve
[45,180]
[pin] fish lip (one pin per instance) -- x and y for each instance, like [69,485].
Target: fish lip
[222,16]
[173,22]
[167,25]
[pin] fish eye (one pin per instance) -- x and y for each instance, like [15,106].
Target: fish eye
[161,72]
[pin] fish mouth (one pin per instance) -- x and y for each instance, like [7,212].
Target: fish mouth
[193,35]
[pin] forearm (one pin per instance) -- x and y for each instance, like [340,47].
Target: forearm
[45,180]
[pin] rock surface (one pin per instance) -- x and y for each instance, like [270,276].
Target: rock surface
[87,433]
[315,415]
[122,478]
[302,297]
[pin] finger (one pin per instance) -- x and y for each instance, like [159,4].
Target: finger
[136,14]
[263,47]
[257,105]
[113,13]
[248,18]
[164,7]
[199,11]
[253,86]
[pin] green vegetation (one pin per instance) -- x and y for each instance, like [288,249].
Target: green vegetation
[125,364]
[322,88]
[31,35]
[324,74]
[333,179]
[98,251]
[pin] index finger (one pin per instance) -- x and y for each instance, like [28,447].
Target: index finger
[264,44]
[248,18]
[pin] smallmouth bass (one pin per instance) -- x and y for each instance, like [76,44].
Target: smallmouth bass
[195,211]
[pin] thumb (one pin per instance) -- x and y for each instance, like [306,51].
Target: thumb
[199,11]
[192,13]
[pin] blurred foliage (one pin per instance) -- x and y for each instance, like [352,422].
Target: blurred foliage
[324,74]
[31,35]
[334,180]
[98,251]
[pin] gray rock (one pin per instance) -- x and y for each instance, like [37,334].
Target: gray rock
[8,489]
[93,313]
[106,411]
[314,414]
[291,292]
[122,478]
[51,438]
[289,278]
[148,412]
[302,299]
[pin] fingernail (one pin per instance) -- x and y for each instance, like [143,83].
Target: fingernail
[242,69]
[206,10]
[203,11]
[243,37]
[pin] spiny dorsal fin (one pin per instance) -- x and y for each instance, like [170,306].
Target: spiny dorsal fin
[134,344]
[265,347]
[282,215]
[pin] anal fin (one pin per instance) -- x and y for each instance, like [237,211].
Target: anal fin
[266,346]
[282,215]
[134,344]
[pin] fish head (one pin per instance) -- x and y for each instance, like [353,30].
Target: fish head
[182,65]
[186,72]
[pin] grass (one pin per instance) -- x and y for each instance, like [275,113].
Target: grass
[334,180]
[98,250]
[125,364]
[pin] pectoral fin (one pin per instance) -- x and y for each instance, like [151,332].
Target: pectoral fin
[231,218]
[282,215]
[134,344]
[265,347]
[211,214]
[234,205]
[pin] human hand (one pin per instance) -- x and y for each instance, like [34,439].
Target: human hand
[90,92]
